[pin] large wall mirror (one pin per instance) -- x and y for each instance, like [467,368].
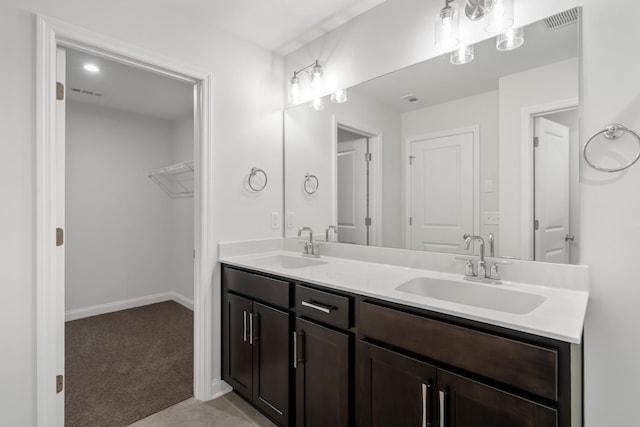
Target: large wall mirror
[420,157]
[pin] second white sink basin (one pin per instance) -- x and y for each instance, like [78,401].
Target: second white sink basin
[492,297]
[286,262]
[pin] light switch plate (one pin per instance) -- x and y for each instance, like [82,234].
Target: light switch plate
[275,220]
[488,186]
[290,217]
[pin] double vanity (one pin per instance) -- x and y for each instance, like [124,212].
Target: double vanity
[344,340]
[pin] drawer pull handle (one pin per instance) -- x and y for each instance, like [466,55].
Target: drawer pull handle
[251,329]
[316,306]
[295,350]
[442,397]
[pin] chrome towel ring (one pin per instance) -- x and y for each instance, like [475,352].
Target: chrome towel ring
[612,132]
[310,184]
[254,172]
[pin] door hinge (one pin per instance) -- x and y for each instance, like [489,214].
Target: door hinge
[367,157]
[59,383]
[536,142]
[367,222]
[410,221]
[59,236]
[536,224]
[59,91]
[411,160]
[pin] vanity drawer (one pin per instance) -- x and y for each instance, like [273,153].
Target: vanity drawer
[528,367]
[324,306]
[257,287]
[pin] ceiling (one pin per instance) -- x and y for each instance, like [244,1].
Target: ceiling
[278,25]
[126,88]
[437,80]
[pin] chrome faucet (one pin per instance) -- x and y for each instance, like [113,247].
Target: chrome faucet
[482,271]
[329,228]
[310,249]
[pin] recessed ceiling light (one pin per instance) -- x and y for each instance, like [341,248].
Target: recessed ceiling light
[92,68]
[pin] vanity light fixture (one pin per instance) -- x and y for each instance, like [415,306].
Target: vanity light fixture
[339,96]
[512,39]
[315,79]
[447,27]
[92,68]
[317,104]
[462,55]
[500,16]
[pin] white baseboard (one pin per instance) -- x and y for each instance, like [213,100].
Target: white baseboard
[219,388]
[81,313]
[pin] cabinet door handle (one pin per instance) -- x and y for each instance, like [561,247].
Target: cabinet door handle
[244,325]
[442,396]
[316,306]
[295,350]
[426,393]
[251,328]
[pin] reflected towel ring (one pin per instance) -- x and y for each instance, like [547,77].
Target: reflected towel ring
[612,132]
[254,172]
[310,184]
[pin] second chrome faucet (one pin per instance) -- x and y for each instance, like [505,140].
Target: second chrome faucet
[481,275]
[310,248]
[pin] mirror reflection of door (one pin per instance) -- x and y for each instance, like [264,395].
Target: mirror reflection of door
[553,230]
[353,160]
[441,191]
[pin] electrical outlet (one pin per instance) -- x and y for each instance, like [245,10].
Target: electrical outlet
[275,220]
[491,218]
[290,219]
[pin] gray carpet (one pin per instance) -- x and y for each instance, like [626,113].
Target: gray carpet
[123,366]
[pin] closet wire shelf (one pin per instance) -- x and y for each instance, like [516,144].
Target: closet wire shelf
[175,180]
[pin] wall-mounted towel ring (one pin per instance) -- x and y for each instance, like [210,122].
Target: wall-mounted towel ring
[254,172]
[310,184]
[612,132]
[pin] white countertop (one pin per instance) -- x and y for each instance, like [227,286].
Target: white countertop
[560,316]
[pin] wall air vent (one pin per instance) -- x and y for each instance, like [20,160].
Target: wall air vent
[85,92]
[410,98]
[562,19]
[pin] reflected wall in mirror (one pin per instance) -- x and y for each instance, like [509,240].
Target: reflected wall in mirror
[422,156]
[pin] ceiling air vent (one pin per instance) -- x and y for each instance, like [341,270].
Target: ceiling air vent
[562,19]
[410,98]
[85,92]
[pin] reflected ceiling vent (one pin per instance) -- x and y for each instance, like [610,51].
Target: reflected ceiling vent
[410,98]
[85,92]
[562,19]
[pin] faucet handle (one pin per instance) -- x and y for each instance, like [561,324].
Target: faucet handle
[493,272]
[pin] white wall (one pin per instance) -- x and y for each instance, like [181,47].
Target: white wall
[247,117]
[181,211]
[309,149]
[369,46]
[478,110]
[545,85]
[118,243]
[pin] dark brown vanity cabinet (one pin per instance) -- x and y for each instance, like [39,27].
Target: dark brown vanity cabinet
[256,343]
[323,358]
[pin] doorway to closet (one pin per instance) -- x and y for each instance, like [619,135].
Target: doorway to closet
[128,270]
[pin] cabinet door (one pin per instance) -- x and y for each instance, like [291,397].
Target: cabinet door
[322,376]
[271,370]
[238,351]
[467,403]
[393,389]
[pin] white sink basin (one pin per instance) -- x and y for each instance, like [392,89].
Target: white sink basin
[286,261]
[492,297]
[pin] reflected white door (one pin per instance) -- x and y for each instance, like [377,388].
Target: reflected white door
[352,191]
[442,192]
[551,192]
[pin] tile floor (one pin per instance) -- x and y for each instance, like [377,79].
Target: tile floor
[229,410]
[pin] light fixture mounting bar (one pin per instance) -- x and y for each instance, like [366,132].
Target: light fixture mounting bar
[313,64]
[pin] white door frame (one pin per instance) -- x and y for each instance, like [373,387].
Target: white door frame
[475,130]
[50,34]
[528,114]
[375,194]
